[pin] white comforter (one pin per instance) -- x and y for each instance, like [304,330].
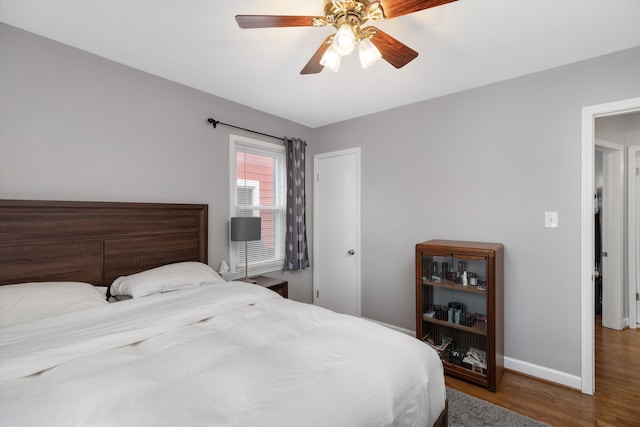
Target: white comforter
[229,354]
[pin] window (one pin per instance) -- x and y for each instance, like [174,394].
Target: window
[258,188]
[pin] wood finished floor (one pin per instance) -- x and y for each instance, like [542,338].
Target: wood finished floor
[616,401]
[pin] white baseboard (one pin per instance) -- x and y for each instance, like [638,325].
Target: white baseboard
[543,373]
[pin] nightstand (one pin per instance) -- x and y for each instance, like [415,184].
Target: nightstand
[277,285]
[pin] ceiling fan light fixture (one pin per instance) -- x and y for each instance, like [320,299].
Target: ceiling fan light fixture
[331,59]
[348,18]
[368,53]
[345,39]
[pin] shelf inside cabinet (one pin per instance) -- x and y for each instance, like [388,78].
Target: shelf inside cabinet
[452,285]
[465,373]
[478,328]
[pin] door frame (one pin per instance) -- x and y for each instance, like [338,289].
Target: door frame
[633,242]
[357,245]
[589,115]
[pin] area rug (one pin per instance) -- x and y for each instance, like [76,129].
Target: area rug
[468,411]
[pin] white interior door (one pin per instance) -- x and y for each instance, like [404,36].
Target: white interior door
[336,235]
[612,216]
[634,235]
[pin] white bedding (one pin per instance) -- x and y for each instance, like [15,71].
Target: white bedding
[228,354]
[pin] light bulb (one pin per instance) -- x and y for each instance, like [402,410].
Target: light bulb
[368,53]
[331,59]
[345,40]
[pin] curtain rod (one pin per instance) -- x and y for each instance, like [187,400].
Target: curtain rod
[215,123]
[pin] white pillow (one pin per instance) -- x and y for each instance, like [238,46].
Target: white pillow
[38,300]
[171,277]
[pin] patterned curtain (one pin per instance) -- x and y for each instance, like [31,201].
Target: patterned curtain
[296,252]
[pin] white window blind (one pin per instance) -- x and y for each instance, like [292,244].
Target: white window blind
[258,189]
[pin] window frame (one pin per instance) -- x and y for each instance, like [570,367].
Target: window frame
[236,249]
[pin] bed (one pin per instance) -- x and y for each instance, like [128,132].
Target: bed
[204,353]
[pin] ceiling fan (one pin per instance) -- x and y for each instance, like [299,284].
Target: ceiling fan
[349,16]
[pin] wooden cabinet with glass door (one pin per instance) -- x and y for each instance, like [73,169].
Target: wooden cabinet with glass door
[459,307]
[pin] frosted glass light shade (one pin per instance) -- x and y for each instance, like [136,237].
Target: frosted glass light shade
[368,53]
[331,59]
[345,40]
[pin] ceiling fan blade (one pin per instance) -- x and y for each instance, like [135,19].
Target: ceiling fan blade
[314,66]
[395,8]
[394,52]
[267,21]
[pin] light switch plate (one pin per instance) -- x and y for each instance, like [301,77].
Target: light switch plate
[551,219]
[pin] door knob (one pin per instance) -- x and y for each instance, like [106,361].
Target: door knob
[351,252]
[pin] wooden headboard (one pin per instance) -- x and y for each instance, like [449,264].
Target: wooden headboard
[96,242]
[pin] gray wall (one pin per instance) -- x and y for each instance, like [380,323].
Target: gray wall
[484,165]
[74,126]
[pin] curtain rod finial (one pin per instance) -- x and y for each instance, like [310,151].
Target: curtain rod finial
[213,122]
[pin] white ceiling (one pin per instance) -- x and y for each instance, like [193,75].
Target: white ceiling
[462,45]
